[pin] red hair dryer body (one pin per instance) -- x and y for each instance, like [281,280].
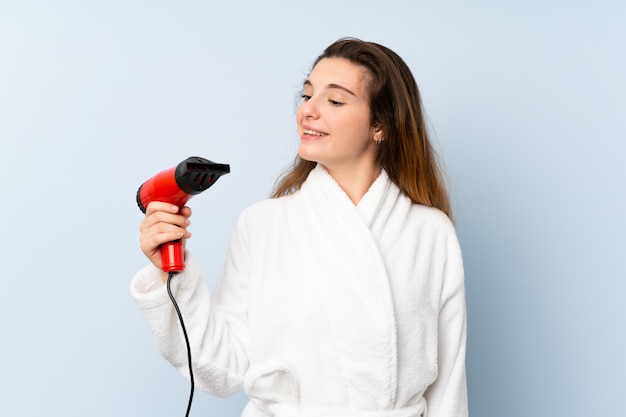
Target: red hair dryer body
[176,186]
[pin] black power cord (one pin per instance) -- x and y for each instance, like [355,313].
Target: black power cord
[182,325]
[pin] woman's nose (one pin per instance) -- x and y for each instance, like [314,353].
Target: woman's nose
[309,108]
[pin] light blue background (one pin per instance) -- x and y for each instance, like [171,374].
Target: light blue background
[527,106]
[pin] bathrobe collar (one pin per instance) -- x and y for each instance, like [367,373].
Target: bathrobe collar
[352,281]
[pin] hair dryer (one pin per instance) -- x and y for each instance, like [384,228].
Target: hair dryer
[176,186]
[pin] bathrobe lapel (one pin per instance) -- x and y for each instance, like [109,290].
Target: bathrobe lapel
[344,259]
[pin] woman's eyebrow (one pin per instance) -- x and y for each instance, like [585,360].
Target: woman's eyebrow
[332,85]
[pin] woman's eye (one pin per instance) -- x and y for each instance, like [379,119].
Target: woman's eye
[305,97]
[335,103]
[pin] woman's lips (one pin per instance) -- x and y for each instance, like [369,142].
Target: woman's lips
[309,133]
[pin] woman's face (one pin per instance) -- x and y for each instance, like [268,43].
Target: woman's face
[334,117]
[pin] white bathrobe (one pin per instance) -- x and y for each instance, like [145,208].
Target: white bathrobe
[325,308]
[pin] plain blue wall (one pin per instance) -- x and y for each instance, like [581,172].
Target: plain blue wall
[527,106]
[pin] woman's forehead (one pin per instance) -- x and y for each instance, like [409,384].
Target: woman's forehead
[338,73]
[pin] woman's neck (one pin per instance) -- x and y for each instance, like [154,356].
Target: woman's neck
[355,182]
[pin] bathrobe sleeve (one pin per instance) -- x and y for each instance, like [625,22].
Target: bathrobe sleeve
[216,324]
[447,396]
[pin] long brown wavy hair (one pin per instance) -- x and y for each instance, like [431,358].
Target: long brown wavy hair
[406,154]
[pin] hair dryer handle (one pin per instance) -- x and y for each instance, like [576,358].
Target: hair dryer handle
[172,256]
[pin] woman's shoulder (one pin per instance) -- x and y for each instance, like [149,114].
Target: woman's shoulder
[262,219]
[265,206]
[430,213]
[432,219]
[263,211]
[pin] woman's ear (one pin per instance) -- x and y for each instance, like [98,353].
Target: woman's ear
[377,132]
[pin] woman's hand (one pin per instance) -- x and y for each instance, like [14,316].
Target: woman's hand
[163,223]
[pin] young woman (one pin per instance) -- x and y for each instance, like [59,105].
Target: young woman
[343,294]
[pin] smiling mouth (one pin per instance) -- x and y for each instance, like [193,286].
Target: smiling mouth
[313,132]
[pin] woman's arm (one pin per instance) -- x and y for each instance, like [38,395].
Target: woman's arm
[216,325]
[447,396]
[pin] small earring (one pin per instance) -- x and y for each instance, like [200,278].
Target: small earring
[378,141]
